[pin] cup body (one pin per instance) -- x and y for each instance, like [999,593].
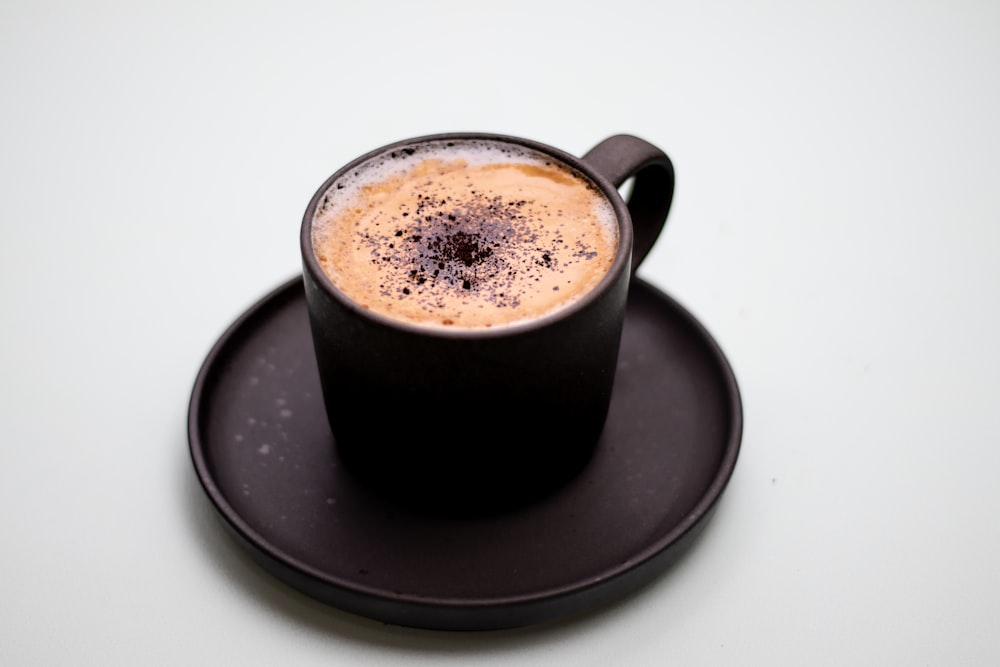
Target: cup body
[468,420]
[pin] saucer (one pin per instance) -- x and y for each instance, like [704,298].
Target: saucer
[264,455]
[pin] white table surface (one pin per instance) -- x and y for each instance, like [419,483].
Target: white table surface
[836,227]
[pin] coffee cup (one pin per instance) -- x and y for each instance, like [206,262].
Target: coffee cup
[466,296]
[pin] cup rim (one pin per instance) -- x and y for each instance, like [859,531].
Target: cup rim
[621,262]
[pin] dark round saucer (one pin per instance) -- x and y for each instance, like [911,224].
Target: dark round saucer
[265,457]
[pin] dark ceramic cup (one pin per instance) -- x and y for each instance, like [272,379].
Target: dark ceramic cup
[474,421]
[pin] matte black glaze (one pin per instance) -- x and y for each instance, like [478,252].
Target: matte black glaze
[263,452]
[478,421]
[623,156]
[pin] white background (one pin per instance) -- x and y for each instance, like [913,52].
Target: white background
[836,227]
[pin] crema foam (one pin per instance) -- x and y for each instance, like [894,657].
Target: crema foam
[464,234]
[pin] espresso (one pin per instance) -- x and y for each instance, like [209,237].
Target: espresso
[464,234]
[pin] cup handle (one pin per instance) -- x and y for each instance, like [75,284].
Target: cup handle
[623,156]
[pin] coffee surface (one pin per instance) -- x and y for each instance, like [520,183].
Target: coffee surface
[464,234]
